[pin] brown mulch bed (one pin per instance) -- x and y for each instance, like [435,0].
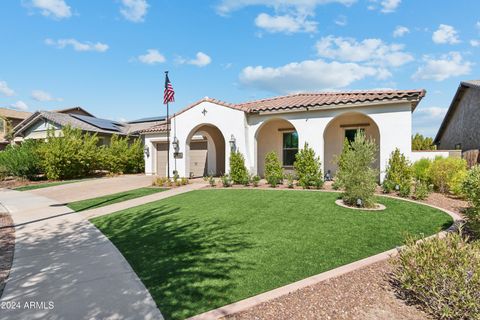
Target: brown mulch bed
[365,294]
[7,245]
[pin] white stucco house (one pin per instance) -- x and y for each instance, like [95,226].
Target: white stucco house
[203,134]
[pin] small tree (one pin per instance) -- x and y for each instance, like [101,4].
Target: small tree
[471,190]
[419,142]
[308,168]
[356,173]
[238,171]
[399,173]
[123,155]
[21,160]
[69,155]
[273,169]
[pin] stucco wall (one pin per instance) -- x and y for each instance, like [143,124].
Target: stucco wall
[393,122]
[335,135]
[270,138]
[464,125]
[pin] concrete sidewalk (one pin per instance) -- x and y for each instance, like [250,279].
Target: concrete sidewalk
[93,188]
[64,268]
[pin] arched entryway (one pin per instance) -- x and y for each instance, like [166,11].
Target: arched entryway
[205,151]
[345,126]
[277,135]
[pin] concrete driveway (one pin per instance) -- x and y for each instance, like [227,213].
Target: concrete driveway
[65,268]
[93,188]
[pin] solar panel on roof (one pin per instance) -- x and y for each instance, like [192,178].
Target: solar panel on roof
[149,119]
[99,123]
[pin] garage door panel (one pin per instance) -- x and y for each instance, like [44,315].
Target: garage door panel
[198,158]
[162,159]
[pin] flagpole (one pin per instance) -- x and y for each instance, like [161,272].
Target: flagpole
[168,140]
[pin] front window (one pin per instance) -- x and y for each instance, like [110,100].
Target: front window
[290,147]
[350,134]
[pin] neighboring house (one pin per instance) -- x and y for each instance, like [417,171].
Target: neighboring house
[204,133]
[8,120]
[460,128]
[37,125]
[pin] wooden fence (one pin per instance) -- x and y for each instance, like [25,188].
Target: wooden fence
[472,157]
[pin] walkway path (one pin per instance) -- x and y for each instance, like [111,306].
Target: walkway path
[142,200]
[93,188]
[62,258]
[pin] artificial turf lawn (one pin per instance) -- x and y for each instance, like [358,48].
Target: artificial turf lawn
[207,248]
[112,198]
[44,185]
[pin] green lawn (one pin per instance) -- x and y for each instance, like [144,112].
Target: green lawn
[45,185]
[112,198]
[207,248]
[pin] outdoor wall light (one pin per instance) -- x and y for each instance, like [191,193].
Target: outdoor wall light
[146,150]
[233,145]
[175,144]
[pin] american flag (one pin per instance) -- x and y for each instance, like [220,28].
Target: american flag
[169,94]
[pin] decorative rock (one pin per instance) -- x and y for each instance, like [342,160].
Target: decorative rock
[378,206]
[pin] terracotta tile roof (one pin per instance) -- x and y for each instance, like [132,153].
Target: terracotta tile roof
[328,99]
[156,128]
[312,100]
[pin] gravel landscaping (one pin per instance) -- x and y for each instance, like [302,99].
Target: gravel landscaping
[7,245]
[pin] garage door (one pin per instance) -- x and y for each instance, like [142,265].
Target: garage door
[198,158]
[162,159]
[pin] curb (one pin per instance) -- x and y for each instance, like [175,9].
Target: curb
[251,302]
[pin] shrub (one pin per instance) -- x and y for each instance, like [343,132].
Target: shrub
[184,181]
[308,168]
[405,190]
[471,190]
[121,156]
[290,180]
[419,142]
[441,275]
[399,173]
[21,160]
[70,155]
[159,181]
[421,190]
[238,171]
[255,180]
[226,181]
[342,166]
[356,173]
[273,169]
[420,170]
[211,181]
[445,173]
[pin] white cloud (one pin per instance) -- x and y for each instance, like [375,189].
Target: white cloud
[475,43]
[448,65]
[201,60]
[373,51]
[228,6]
[40,95]
[400,31]
[19,105]
[341,20]
[77,45]
[134,10]
[4,89]
[432,112]
[389,6]
[52,8]
[445,34]
[285,23]
[305,75]
[152,57]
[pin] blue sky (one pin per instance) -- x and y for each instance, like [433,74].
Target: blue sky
[109,56]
